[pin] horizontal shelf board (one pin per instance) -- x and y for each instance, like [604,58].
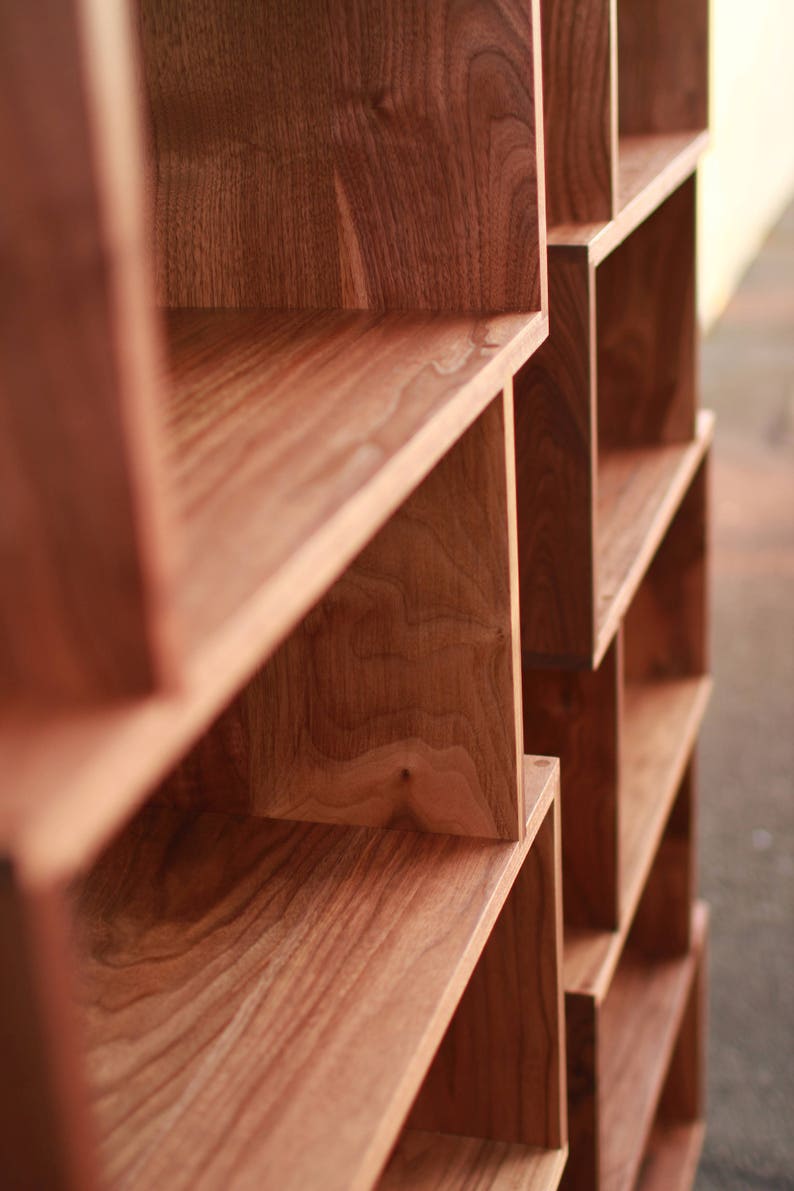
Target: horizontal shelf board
[440,1162]
[672,1156]
[639,1025]
[639,491]
[293,437]
[267,996]
[661,721]
[650,168]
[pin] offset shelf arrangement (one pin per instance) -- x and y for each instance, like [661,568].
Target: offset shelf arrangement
[312,529]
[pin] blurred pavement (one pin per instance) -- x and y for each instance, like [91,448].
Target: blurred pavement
[747,751]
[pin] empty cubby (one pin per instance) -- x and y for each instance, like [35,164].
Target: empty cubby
[624,731]
[625,90]
[635,1054]
[607,432]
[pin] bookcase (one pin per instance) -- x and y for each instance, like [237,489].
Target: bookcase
[354,541]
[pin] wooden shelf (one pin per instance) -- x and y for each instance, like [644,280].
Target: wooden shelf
[672,1156]
[440,1162]
[650,167]
[639,1025]
[639,492]
[294,435]
[222,1024]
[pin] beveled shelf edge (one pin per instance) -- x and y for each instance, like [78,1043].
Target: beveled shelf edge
[498,1165]
[668,506]
[672,1156]
[595,241]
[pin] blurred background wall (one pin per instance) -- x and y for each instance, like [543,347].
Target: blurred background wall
[747,177]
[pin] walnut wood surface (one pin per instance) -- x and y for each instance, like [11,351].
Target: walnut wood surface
[575,715]
[580,109]
[235,953]
[639,491]
[498,1072]
[650,167]
[646,343]
[442,1162]
[268,529]
[396,701]
[663,61]
[83,569]
[416,183]
[662,921]
[555,465]
[640,1021]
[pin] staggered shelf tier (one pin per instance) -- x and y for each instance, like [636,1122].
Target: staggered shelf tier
[339,501]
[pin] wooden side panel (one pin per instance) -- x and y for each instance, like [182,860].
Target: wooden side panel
[81,556]
[498,1073]
[662,924]
[580,109]
[416,186]
[397,700]
[555,462]
[581,1040]
[666,626]
[42,1130]
[663,58]
[647,338]
[575,716]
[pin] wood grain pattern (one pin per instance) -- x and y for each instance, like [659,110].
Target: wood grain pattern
[498,1072]
[83,595]
[640,1022]
[650,167]
[580,109]
[584,1061]
[663,60]
[43,1129]
[395,702]
[575,716]
[267,529]
[666,625]
[416,184]
[646,345]
[663,920]
[639,492]
[555,466]
[441,1162]
[203,934]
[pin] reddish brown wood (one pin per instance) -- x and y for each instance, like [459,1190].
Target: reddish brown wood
[416,184]
[580,109]
[397,700]
[576,715]
[663,920]
[498,1072]
[83,604]
[663,59]
[647,361]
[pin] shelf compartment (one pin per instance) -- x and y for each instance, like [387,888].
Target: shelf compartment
[442,1162]
[625,731]
[221,963]
[623,1056]
[672,1157]
[646,67]
[497,1075]
[606,442]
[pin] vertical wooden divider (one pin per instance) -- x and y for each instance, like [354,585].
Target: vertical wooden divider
[498,1073]
[397,700]
[663,920]
[575,715]
[555,470]
[83,599]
